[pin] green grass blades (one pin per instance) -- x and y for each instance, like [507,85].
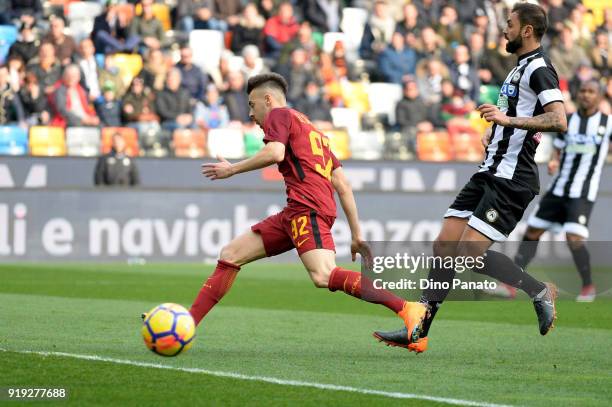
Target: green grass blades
[274,323]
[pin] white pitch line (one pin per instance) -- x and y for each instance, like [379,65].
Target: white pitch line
[265,379]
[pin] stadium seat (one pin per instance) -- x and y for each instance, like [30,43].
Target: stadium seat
[8,35]
[129,134]
[253,141]
[367,145]
[47,141]
[81,28]
[83,141]
[352,24]
[84,10]
[330,39]
[434,146]
[129,66]
[189,143]
[346,118]
[383,97]
[339,142]
[228,143]
[466,144]
[206,57]
[13,140]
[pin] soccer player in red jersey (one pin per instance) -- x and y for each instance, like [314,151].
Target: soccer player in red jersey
[311,173]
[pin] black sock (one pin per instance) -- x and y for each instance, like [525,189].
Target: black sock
[526,252]
[434,297]
[583,263]
[500,267]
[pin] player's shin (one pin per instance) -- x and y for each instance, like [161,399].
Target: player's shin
[433,298]
[582,259]
[215,287]
[355,285]
[526,252]
[502,268]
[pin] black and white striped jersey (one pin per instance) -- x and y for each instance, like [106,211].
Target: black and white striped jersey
[529,86]
[585,147]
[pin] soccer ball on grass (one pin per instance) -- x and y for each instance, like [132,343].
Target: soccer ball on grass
[168,329]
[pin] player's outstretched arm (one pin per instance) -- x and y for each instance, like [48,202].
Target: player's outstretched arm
[272,153]
[553,118]
[347,200]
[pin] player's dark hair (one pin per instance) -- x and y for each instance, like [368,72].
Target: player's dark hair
[533,15]
[598,85]
[268,79]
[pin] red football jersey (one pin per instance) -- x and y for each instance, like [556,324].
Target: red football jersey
[308,162]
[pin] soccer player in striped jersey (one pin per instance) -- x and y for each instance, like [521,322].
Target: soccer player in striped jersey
[312,176]
[579,156]
[491,204]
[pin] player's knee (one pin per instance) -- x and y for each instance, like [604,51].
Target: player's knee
[444,248]
[533,233]
[574,242]
[320,279]
[230,254]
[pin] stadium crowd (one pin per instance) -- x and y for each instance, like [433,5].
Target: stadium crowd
[394,72]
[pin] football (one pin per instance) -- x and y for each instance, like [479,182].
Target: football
[168,329]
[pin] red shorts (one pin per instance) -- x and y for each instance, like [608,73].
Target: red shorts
[302,228]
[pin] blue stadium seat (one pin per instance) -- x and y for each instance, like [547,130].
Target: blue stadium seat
[13,140]
[8,35]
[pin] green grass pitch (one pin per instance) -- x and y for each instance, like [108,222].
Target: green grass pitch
[275,324]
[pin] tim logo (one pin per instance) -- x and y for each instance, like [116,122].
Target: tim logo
[509,90]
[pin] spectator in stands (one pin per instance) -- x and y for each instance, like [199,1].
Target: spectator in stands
[110,73]
[27,45]
[89,68]
[454,105]
[187,11]
[498,61]
[302,40]
[478,24]
[192,77]
[35,106]
[584,73]
[11,109]
[601,54]
[46,67]
[147,27]
[267,8]
[606,26]
[139,103]
[279,30]
[429,10]
[557,14]
[253,63]
[323,15]
[377,32]
[65,47]
[228,11]
[220,74]
[16,70]
[111,31]
[466,9]
[315,106]
[430,75]
[566,56]
[449,27]
[477,49]
[463,75]
[397,61]
[430,45]
[116,168]
[21,8]
[71,106]
[211,113]
[580,32]
[410,26]
[109,108]
[205,17]
[606,103]
[173,104]
[411,113]
[248,31]
[235,98]
[154,70]
[297,74]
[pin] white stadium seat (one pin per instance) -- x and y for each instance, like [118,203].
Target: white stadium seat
[228,142]
[383,97]
[206,46]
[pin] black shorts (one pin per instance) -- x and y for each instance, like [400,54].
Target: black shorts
[492,204]
[556,213]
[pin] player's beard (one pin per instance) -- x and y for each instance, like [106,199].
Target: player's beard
[514,45]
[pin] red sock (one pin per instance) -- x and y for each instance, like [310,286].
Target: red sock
[352,283]
[214,289]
